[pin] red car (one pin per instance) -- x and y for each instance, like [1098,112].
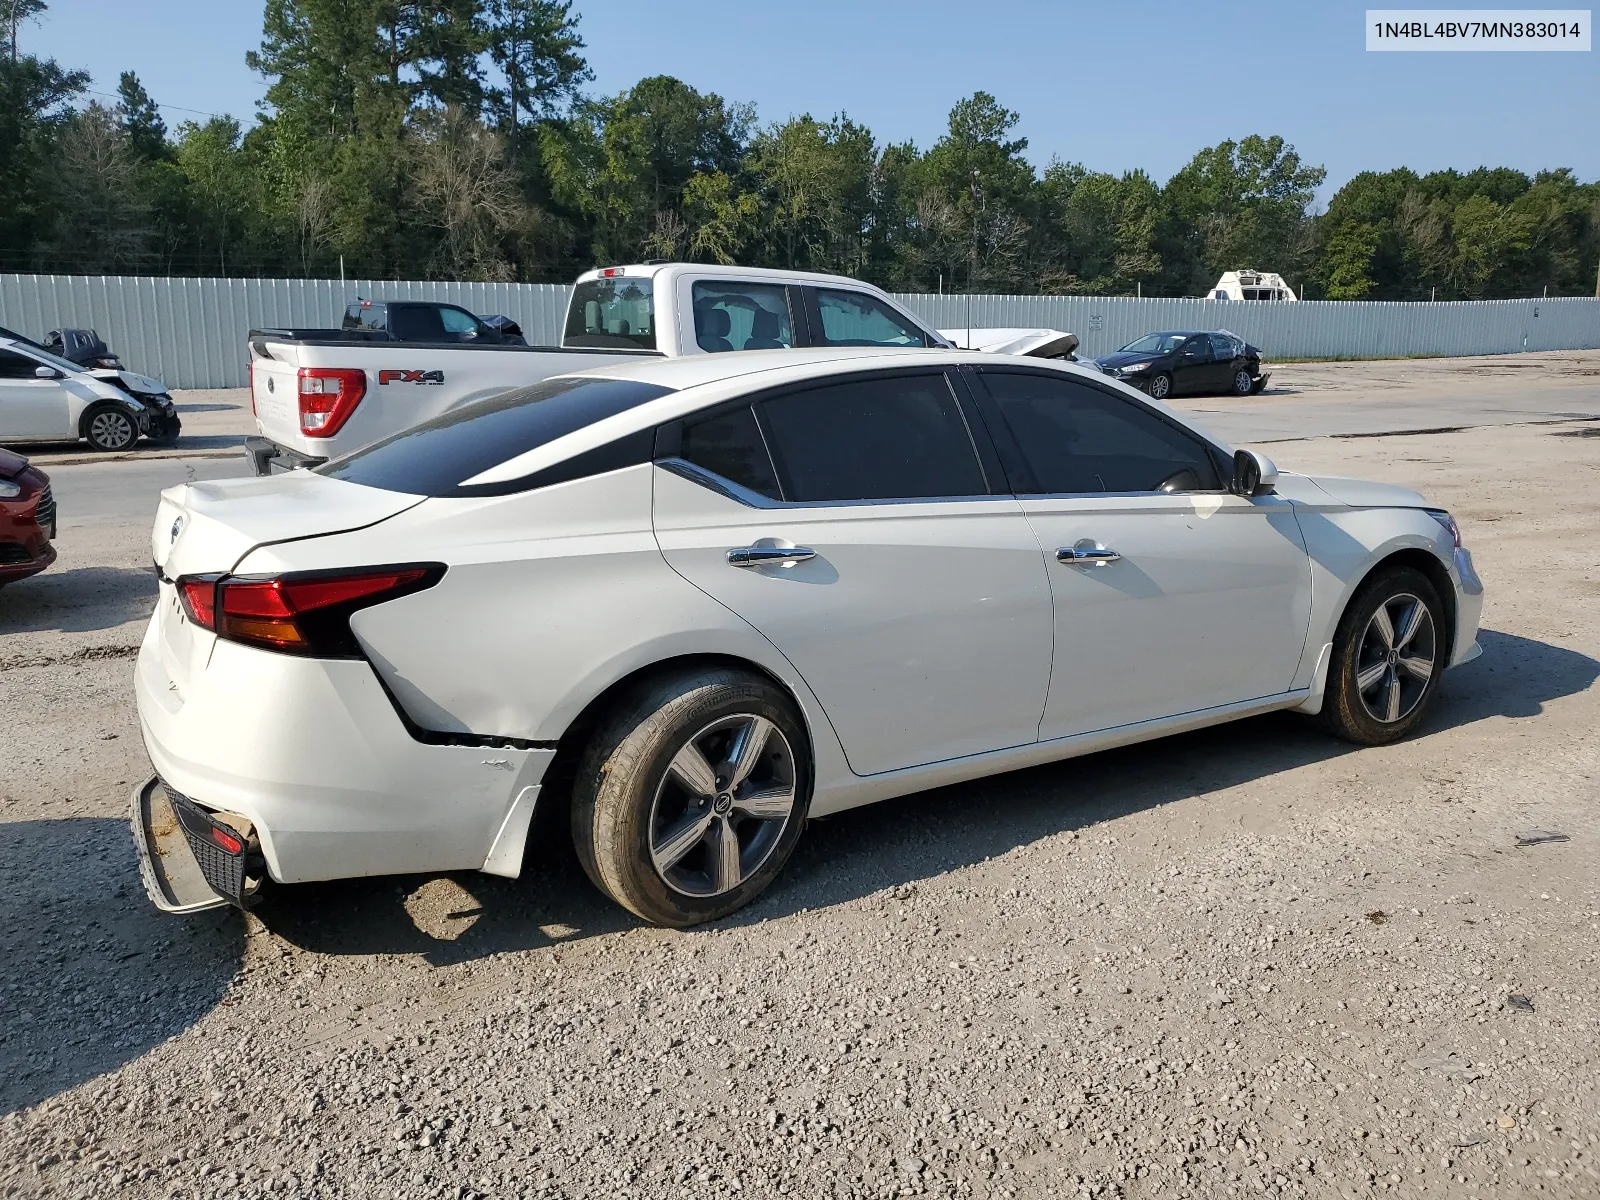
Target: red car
[27,519]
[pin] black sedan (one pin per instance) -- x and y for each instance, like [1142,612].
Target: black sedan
[1183,362]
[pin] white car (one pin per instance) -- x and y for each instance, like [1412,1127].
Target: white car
[701,599]
[46,398]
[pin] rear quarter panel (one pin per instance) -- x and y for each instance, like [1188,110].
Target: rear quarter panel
[551,597]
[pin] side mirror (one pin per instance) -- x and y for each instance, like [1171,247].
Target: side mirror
[1253,474]
[43,372]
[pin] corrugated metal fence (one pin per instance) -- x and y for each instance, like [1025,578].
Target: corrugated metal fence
[190,332]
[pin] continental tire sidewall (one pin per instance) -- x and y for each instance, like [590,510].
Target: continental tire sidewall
[624,765]
[1343,712]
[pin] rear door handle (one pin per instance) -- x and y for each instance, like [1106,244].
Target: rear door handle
[1087,553]
[766,556]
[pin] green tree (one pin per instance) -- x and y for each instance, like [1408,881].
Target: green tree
[1237,204]
[537,47]
[14,14]
[818,184]
[140,119]
[977,193]
[102,217]
[209,158]
[34,98]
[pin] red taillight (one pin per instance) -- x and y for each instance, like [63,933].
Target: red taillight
[328,395]
[300,614]
[199,595]
[226,840]
[610,272]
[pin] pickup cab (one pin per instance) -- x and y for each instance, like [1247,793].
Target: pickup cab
[321,393]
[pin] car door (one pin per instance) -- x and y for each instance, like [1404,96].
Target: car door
[32,409]
[1170,594]
[853,524]
[1194,367]
[1229,355]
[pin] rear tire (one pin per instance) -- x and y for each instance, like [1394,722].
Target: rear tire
[1388,655]
[680,766]
[108,429]
[1243,385]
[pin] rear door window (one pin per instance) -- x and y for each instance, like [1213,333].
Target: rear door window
[415,323]
[857,319]
[729,315]
[1074,439]
[900,437]
[1224,347]
[615,314]
[730,445]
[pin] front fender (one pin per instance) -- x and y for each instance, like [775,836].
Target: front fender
[1345,545]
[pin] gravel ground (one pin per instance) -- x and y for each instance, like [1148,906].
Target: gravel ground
[1244,961]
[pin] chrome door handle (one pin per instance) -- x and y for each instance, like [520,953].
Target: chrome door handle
[766,556]
[1087,553]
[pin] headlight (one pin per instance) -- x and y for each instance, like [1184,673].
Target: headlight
[134,404]
[1133,368]
[1449,522]
[8,489]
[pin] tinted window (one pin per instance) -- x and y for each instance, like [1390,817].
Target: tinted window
[433,458]
[617,313]
[15,366]
[741,316]
[415,323]
[1197,347]
[872,439]
[730,445]
[1223,346]
[857,319]
[1077,439]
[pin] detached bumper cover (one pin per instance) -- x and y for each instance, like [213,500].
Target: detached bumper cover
[173,878]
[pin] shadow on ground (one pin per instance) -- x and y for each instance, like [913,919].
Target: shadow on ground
[78,600]
[94,975]
[899,841]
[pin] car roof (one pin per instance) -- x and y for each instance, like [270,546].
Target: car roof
[717,270]
[701,381]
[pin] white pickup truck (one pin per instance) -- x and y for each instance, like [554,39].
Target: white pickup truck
[321,393]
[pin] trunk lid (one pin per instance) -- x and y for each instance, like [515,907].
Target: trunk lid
[210,526]
[205,528]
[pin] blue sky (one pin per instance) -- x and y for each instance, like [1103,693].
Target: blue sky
[1115,86]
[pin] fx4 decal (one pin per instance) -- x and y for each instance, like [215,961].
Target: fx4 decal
[410,377]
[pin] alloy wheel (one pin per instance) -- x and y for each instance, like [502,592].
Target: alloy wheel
[1159,386]
[1397,659]
[1242,382]
[722,805]
[112,430]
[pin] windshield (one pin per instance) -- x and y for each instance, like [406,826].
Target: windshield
[612,314]
[44,356]
[1155,343]
[432,459]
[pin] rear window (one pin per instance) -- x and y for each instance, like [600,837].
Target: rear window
[433,458]
[617,314]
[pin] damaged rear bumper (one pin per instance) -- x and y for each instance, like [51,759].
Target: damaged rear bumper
[191,859]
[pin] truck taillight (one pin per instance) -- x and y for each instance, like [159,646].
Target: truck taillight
[305,613]
[328,395]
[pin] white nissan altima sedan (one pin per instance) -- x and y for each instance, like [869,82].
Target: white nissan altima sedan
[699,600]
